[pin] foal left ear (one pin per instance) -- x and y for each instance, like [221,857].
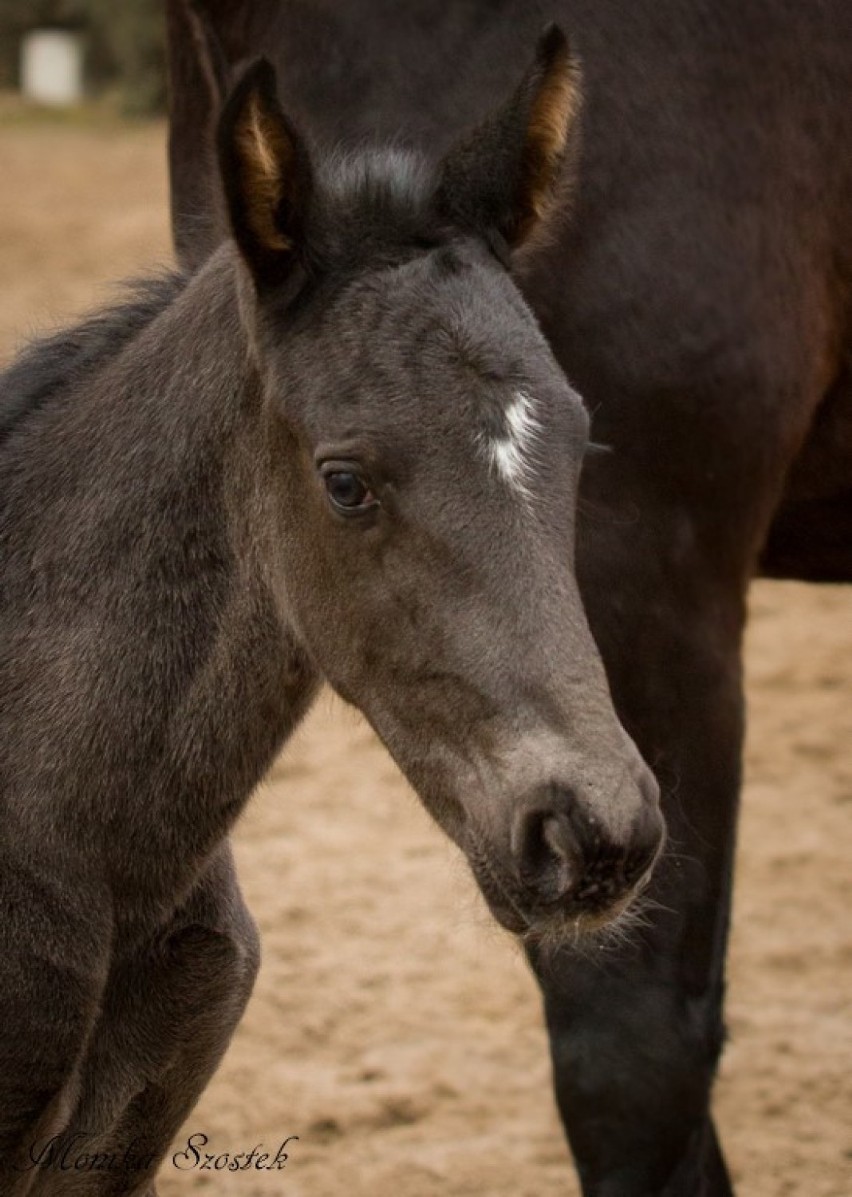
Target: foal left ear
[266,176]
[503,177]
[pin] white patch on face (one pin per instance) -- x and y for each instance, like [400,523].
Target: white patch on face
[511,454]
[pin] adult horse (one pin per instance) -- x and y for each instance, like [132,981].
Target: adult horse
[695,289]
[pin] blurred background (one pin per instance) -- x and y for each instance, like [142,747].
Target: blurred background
[60,50]
[394,1028]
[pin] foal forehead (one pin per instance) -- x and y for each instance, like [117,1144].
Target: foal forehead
[491,374]
[462,318]
[444,341]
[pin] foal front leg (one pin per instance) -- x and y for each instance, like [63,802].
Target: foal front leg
[168,1015]
[54,950]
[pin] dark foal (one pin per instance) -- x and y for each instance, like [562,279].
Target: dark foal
[343,449]
[696,292]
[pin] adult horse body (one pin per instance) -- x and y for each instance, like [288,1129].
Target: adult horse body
[697,294]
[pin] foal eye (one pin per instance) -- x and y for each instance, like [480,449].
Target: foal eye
[347,491]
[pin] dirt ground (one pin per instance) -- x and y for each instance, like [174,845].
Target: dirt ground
[394,1028]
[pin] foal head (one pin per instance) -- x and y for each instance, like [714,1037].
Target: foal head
[428,449]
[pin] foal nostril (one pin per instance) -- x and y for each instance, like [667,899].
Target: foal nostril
[564,855]
[546,853]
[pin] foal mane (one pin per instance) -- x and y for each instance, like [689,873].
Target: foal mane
[51,363]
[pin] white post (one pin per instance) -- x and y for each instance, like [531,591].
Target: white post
[52,67]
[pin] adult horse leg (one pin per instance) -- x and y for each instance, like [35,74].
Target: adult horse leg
[169,1012]
[636,1029]
[672,526]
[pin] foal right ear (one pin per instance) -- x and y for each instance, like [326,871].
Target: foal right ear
[266,176]
[504,177]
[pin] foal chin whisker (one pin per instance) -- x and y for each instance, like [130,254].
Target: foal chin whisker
[573,937]
[648,906]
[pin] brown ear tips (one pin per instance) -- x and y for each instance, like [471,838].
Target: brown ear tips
[264,172]
[555,62]
[255,89]
[555,104]
[558,94]
[503,177]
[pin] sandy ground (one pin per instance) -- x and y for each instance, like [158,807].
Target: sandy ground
[394,1028]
